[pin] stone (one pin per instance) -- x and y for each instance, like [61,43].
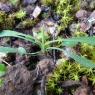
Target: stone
[81,14]
[5,7]
[73,27]
[29,2]
[84,26]
[70,83]
[36,12]
[92,15]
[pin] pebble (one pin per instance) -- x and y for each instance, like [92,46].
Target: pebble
[56,17]
[81,14]
[36,12]
[84,26]
[92,15]
[29,2]
[5,7]
[29,9]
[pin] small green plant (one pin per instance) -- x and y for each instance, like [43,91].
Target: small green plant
[46,45]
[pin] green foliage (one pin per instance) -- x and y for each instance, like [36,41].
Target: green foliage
[3,70]
[45,45]
[66,9]
[74,40]
[1,82]
[27,23]
[67,70]
[14,2]
[19,50]
[20,14]
[80,34]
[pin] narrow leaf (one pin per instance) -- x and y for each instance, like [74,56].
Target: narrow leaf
[8,50]
[9,33]
[73,41]
[19,50]
[82,60]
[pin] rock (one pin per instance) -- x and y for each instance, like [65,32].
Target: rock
[81,91]
[45,66]
[29,2]
[73,27]
[92,15]
[70,84]
[81,14]
[45,8]
[84,80]
[87,4]
[36,12]
[92,5]
[56,17]
[84,4]
[84,26]
[5,7]
[29,9]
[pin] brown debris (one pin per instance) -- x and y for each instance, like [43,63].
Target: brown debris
[18,81]
[45,66]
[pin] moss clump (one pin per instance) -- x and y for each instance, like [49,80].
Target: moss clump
[20,14]
[47,2]
[27,23]
[66,9]
[67,70]
[6,22]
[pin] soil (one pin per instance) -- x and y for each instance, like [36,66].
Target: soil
[28,74]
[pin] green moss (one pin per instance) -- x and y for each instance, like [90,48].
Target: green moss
[2,17]
[27,23]
[47,2]
[6,22]
[67,70]
[66,9]
[20,14]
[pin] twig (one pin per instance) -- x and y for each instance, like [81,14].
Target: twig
[5,62]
